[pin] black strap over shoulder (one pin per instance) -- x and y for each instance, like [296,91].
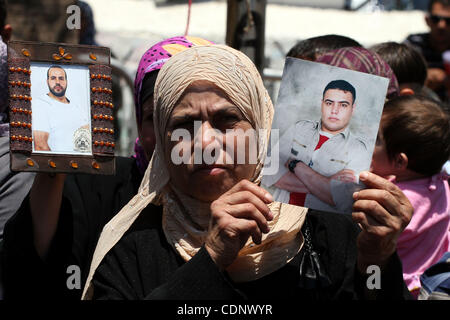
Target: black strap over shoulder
[312,274]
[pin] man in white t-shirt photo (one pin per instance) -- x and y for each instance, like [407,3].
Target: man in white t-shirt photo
[59,125]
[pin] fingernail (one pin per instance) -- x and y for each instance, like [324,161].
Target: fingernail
[391,178]
[355,195]
[268,197]
[363,175]
[270,216]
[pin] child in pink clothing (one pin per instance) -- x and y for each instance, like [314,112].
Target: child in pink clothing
[427,237]
[413,144]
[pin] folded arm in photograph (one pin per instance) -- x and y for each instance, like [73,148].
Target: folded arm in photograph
[342,189]
[290,182]
[41,141]
[319,185]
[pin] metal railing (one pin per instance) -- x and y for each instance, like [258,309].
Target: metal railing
[126,129]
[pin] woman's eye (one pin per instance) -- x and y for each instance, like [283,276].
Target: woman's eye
[230,118]
[183,124]
[226,122]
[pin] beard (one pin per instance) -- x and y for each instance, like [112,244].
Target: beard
[58,94]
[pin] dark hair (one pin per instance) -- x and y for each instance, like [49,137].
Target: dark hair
[341,85]
[148,86]
[58,67]
[420,128]
[445,3]
[407,63]
[3,13]
[312,48]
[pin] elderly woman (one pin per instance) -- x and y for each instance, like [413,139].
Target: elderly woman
[58,224]
[206,230]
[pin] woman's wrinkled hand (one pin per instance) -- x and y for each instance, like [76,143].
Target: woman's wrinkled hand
[383,212]
[238,214]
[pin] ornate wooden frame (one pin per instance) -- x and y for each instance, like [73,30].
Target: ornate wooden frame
[20,56]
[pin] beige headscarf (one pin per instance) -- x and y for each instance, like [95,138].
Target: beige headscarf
[185,220]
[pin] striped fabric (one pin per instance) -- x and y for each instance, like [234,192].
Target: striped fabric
[436,280]
[362,60]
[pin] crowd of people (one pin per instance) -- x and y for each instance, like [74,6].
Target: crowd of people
[160,230]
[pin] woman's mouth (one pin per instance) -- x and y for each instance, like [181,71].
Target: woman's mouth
[212,169]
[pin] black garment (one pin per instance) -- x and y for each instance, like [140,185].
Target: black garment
[421,41]
[433,58]
[89,202]
[143,265]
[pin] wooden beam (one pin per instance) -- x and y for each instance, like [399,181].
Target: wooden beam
[246,21]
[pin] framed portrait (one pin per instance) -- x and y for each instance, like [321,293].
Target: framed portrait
[323,134]
[61,109]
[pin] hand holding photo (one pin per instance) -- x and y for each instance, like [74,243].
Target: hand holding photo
[327,119]
[61,108]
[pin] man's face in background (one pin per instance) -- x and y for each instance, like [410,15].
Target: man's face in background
[337,110]
[439,27]
[57,82]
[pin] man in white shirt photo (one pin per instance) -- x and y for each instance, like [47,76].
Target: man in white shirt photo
[57,122]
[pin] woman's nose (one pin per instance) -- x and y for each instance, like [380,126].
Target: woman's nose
[206,135]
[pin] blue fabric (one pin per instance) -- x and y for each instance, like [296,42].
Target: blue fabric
[437,277]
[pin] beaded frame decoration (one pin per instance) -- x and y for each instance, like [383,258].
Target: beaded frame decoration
[21,56]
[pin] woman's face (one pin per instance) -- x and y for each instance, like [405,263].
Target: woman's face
[204,163]
[145,128]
